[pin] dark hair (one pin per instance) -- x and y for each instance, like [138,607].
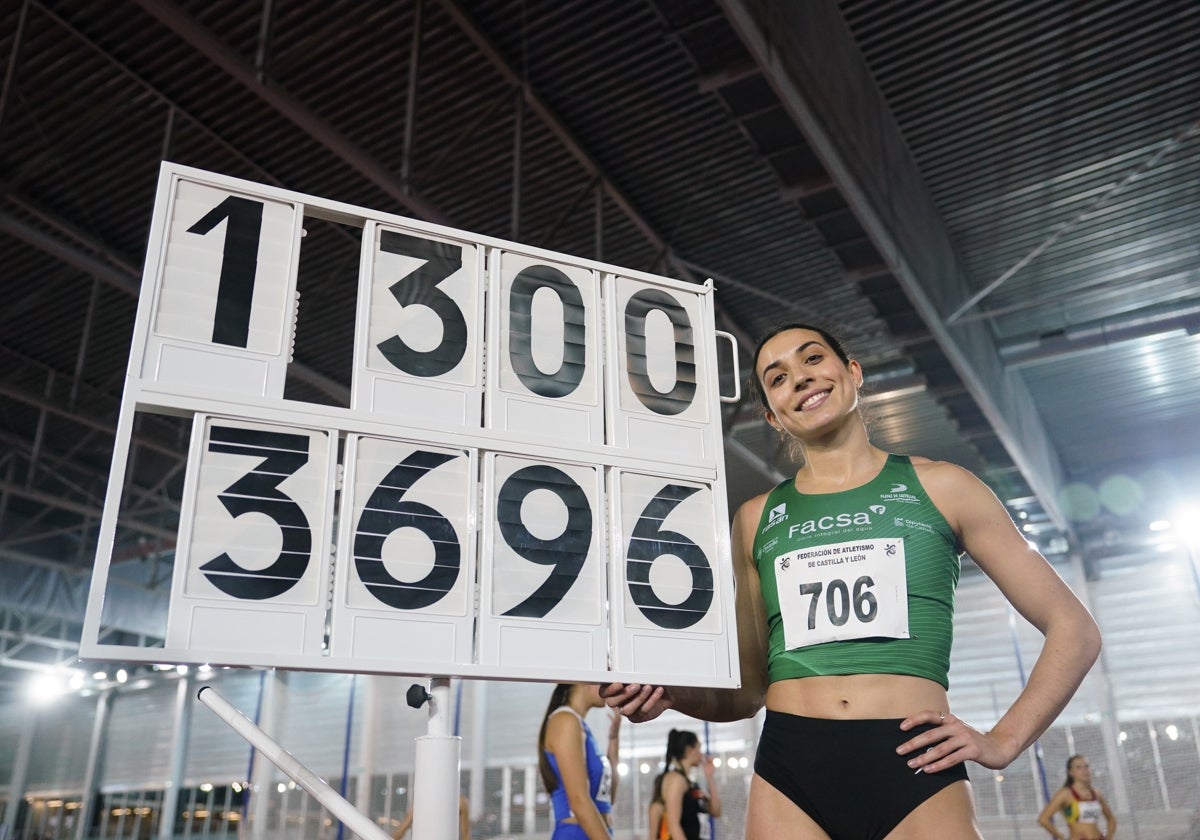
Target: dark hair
[658,780]
[1070,779]
[678,742]
[756,387]
[558,697]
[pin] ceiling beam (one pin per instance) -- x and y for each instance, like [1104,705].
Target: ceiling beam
[1151,322]
[112,268]
[579,151]
[809,58]
[196,35]
[244,72]
[85,510]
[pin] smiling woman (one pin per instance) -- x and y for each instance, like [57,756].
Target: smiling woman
[846,575]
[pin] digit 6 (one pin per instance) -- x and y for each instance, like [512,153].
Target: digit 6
[649,542]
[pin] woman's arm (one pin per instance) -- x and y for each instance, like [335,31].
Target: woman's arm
[710,782]
[1110,819]
[614,750]
[564,738]
[1029,582]
[464,818]
[405,825]
[1046,817]
[655,817]
[640,702]
[674,787]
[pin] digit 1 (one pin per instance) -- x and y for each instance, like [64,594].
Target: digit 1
[239,263]
[684,391]
[566,553]
[420,287]
[566,379]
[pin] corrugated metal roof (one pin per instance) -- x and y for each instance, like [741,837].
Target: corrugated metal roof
[1059,142]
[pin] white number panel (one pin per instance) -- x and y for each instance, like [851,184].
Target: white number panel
[224,289]
[524,479]
[252,565]
[545,317]
[543,585]
[406,553]
[672,594]
[659,370]
[419,357]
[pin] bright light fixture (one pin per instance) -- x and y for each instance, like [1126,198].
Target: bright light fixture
[45,687]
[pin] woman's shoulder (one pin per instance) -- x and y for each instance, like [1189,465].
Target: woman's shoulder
[943,475]
[563,720]
[752,509]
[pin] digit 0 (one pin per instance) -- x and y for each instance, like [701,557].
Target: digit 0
[683,392]
[566,379]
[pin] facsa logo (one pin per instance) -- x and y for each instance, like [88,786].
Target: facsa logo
[828,523]
[878,510]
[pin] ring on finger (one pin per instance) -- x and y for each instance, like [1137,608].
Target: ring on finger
[941,717]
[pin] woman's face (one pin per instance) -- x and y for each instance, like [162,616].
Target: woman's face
[692,754]
[805,382]
[1080,771]
[590,692]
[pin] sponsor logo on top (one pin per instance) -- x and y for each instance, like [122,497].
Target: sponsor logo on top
[777,515]
[899,493]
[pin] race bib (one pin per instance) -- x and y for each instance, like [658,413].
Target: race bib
[843,591]
[604,791]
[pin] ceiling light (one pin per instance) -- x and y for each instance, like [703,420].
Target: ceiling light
[45,687]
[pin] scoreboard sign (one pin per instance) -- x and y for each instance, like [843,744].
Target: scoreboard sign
[526,483]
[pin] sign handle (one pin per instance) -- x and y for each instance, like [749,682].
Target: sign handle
[737,371]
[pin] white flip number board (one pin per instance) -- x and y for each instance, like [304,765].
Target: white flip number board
[527,481]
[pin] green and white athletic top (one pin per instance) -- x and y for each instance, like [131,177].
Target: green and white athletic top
[860,581]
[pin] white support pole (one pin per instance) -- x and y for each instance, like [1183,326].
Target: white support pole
[530,796]
[20,771]
[368,733]
[357,822]
[262,776]
[95,749]
[1103,696]
[435,773]
[181,725]
[478,741]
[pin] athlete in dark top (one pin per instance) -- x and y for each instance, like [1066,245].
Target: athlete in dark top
[685,805]
[850,721]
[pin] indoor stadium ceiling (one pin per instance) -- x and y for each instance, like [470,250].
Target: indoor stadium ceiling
[996,204]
